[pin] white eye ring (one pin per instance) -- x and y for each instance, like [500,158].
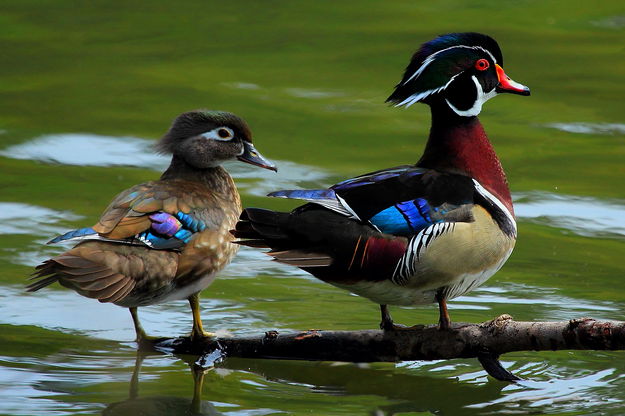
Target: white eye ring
[222,134]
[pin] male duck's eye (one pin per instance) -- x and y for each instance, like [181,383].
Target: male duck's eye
[482,65]
[223,133]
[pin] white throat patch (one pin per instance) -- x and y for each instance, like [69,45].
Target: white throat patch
[482,97]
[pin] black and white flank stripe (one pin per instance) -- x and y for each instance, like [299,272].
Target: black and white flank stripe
[416,246]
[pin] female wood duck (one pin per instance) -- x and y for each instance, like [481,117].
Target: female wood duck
[163,240]
[419,233]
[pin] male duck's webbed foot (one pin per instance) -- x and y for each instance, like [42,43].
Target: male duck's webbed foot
[387,321]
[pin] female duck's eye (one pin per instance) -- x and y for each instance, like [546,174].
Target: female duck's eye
[482,65]
[223,133]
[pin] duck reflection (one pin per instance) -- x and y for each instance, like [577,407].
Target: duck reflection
[399,390]
[163,405]
[403,390]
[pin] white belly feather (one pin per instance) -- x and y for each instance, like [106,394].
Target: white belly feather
[455,261]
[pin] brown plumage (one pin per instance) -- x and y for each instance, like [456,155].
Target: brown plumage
[129,259]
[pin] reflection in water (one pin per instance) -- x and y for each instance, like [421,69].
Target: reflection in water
[404,391]
[162,405]
[44,223]
[582,215]
[409,388]
[85,149]
[63,310]
[589,128]
[538,394]
[558,305]
[307,93]
[18,218]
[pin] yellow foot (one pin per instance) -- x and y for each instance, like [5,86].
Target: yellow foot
[147,341]
[199,336]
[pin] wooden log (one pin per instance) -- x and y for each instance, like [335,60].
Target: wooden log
[485,341]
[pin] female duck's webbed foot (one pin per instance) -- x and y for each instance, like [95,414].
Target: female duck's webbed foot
[444,323]
[197,333]
[143,339]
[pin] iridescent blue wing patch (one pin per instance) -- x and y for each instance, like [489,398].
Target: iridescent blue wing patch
[404,218]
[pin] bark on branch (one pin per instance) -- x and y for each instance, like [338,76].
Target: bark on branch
[485,341]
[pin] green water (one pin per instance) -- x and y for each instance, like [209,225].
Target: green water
[311,79]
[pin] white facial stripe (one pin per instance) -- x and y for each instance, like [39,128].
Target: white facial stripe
[418,97]
[492,198]
[488,52]
[477,105]
[431,58]
[214,134]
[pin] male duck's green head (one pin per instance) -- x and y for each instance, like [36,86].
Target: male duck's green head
[461,70]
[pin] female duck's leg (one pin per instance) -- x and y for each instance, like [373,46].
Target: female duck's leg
[141,335]
[198,330]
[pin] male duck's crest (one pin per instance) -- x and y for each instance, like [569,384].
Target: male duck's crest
[463,70]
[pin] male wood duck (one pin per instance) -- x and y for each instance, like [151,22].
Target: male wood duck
[166,239]
[411,234]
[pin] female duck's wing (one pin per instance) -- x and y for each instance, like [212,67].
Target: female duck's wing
[160,215]
[149,236]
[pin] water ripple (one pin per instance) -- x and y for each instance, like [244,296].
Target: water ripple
[85,149]
[18,218]
[589,128]
[565,393]
[582,215]
[76,314]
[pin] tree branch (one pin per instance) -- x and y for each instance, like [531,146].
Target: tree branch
[485,341]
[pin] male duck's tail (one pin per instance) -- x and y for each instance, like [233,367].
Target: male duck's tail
[300,242]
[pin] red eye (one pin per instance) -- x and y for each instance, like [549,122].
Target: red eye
[482,64]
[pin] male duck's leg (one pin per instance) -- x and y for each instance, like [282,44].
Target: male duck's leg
[444,322]
[387,321]
[198,330]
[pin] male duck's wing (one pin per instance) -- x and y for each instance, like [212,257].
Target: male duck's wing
[334,197]
[160,215]
[398,201]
